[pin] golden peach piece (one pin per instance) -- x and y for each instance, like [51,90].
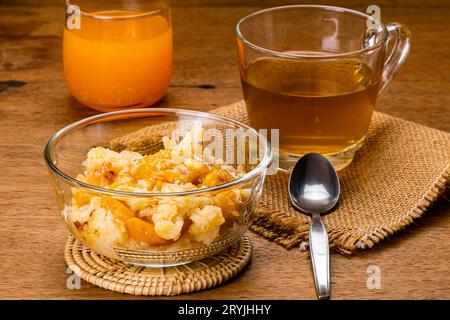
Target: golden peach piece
[142,231]
[117,208]
[217,177]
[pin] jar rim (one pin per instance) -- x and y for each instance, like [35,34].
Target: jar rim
[106,17]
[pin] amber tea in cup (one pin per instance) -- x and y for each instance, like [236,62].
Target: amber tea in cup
[314,73]
[326,116]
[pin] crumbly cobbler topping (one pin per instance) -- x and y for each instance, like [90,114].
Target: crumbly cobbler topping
[105,222]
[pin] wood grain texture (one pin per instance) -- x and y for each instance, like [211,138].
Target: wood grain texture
[414,264]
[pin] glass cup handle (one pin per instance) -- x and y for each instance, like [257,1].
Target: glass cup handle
[401,35]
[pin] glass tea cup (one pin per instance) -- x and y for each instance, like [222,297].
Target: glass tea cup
[117,54]
[315,73]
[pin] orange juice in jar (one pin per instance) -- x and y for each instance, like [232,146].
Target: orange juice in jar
[117,54]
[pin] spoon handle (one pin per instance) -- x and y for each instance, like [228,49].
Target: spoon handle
[320,252]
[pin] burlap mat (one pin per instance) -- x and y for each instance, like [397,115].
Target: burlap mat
[401,169]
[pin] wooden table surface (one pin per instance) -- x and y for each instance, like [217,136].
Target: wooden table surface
[35,102]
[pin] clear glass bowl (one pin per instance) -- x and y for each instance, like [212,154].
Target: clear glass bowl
[130,226]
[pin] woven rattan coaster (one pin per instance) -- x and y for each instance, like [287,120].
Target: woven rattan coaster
[120,277]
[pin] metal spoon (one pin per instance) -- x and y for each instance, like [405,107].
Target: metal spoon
[314,190]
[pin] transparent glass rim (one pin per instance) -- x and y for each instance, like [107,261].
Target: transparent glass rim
[111,18]
[282,54]
[258,170]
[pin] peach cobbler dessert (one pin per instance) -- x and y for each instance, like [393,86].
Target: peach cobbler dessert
[156,222]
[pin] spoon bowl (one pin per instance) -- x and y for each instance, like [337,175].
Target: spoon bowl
[314,184]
